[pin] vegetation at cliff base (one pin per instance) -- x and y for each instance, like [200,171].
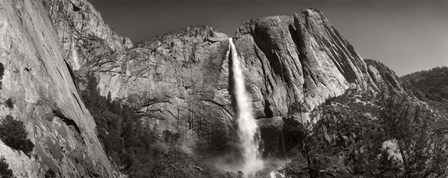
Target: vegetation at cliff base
[373,136]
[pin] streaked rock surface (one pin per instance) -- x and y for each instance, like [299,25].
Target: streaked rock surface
[44,97]
[82,32]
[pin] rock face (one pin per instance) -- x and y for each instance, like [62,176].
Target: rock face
[296,63]
[385,78]
[37,89]
[82,32]
[181,82]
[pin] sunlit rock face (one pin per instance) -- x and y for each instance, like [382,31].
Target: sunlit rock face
[41,93]
[83,33]
[385,78]
[298,62]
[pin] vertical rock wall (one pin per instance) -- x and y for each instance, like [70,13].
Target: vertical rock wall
[38,83]
[296,63]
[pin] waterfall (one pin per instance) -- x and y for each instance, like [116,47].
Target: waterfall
[247,125]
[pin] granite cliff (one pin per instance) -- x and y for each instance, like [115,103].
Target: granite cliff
[40,92]
[302,75]
[181,81]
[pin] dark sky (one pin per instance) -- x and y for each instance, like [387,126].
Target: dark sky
[406,35]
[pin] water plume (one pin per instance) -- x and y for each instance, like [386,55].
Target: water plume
[248,131]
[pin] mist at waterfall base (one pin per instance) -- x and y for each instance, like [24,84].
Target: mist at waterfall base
[247,160]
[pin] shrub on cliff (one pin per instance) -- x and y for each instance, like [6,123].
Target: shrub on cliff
[5,172]
[13,134]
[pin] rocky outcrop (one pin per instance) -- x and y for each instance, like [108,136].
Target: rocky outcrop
[37,89]
[385,78]
[82,32]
